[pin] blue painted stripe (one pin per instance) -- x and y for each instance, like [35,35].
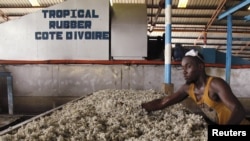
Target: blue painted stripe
[168,2]
[167,78]
[229,48]
[168,34]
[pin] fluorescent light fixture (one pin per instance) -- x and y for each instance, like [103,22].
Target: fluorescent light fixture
[111,2]
[248,8]
[34,2]
[182,3]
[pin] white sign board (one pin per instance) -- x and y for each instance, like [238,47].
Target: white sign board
[72,30]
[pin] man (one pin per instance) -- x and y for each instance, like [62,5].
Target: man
[212,94]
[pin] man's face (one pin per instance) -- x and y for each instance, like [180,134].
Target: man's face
[191,69]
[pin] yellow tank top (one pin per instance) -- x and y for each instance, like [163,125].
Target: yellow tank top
[215,111]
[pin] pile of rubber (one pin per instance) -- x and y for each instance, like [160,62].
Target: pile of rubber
[114,115]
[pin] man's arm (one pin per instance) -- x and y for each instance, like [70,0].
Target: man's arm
[164,102]
[230,100]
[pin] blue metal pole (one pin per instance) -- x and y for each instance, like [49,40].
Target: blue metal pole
[168,47]
[229,48]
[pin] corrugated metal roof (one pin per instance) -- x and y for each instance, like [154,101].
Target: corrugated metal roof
[188,23]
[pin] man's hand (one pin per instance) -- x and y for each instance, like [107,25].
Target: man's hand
[145,106]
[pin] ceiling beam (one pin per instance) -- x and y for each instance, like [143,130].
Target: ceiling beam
[203,23]
[24,7]
[234,9]
[212,38]
[199,30]
[187,8]
[209,44]
[235,18]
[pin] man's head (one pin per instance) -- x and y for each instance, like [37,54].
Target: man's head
[193,66]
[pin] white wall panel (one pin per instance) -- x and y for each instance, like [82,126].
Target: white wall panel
[18,37]
[129,31]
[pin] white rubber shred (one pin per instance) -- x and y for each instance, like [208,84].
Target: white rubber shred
[114,115]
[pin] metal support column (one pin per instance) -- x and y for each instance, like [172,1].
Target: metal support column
[229,48]
[229,13]
[9,90]
[168,87]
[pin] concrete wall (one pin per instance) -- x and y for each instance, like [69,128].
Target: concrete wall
[48,83]
[80,79]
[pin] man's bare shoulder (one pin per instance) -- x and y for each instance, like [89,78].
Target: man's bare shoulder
[219,84]
[218,80]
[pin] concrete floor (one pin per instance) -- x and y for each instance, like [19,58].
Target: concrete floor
[7,121]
